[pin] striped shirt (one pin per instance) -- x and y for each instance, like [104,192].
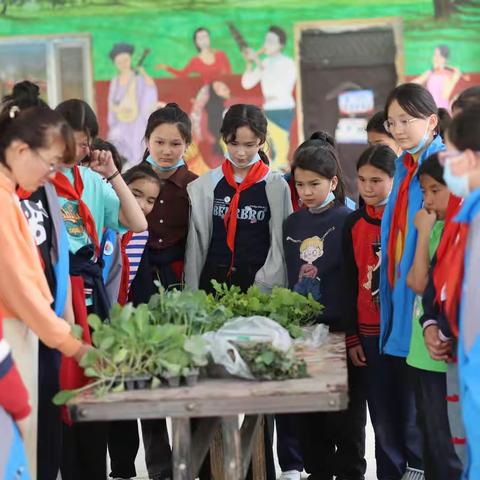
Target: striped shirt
[134,251]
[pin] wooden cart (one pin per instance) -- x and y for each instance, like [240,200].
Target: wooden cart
[216,404]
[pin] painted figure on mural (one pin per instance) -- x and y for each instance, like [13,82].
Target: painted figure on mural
[441,79]
[276,74]
[209,64]
[208,109]
[132,97]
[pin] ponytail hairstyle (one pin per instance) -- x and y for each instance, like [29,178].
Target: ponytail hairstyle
[172,114]
[27,118]
[464,131]
[379,156]
[80,116]
[416,100]
[319,155]
[143,171]
[245,115]
[432,167]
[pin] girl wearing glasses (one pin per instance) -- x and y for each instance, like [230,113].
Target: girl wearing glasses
[28,158]
[412,120]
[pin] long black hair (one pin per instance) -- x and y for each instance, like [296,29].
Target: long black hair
[245,115]
[319,155]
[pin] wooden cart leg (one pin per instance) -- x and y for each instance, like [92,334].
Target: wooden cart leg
[216,455]
[232,450]
[182,436]
[258,454]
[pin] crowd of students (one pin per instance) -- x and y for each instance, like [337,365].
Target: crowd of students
[398,275]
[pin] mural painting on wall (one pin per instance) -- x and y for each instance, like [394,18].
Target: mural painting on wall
[132,97]
[441,79]
[208,57]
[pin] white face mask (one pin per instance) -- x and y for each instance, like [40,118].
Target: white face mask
[254,160]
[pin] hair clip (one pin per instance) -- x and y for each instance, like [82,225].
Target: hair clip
[12,113]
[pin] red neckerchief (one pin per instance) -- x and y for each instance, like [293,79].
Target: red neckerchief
[256,173]
[376,213]
[448,271]
[399,217]
[123,293]
[74,193]
[24,195]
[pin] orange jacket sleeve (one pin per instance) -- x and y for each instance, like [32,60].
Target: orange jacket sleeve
[24,293]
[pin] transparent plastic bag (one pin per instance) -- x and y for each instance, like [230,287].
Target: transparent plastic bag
[244,330]
[314,336]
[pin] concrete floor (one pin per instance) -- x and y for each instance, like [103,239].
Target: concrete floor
[370,456]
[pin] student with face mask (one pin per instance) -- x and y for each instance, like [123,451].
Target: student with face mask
[412,120]
[333,443]
[458,280]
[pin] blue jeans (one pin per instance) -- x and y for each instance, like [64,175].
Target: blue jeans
[391,402]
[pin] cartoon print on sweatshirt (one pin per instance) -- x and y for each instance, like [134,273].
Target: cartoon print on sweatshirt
[311,249]
[372,282]
[35,214]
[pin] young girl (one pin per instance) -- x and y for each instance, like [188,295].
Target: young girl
[377,135]
[439,458]
[412,120]
[89,204]
[123,441]
[168,135]
[237,211]
[332,444]
[460,280]
[361,312]
[42,211]
[28,158]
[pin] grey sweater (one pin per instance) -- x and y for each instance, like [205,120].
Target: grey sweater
[201,193]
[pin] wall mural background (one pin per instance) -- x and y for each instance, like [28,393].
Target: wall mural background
[207,55]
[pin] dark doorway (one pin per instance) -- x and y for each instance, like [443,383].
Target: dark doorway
[347,70]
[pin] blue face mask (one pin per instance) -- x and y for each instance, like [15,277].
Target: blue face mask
[458,185]
[330,198]
[421,145]
[254,160]
[170,168]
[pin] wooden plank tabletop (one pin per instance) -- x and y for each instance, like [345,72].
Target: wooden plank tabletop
[325,390]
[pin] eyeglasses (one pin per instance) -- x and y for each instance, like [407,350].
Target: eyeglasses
[52,167]
[390,125]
